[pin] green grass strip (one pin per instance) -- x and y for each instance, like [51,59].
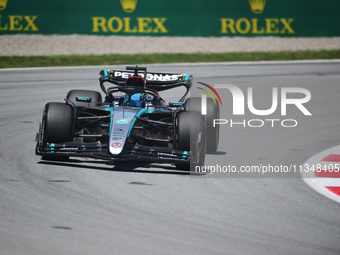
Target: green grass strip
[122,59]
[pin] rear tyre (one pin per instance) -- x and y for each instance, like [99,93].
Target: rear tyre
[58,125]
[86,98]
[213,112]
[191,136]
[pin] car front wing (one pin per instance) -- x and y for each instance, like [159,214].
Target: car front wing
[131,152]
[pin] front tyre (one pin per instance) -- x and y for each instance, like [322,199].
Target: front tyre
[57,125]
[213,112]
[191,137]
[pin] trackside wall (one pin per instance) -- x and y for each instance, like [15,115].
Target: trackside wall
[289,18]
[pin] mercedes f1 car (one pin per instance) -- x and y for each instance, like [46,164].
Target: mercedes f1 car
[132,123]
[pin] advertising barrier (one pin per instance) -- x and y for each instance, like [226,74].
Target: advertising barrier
[303,18]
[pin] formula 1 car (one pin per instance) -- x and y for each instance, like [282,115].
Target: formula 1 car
[132,123]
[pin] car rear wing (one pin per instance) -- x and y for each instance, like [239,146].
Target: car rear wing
[155,81]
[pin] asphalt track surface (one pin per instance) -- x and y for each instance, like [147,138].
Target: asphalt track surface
[90,207]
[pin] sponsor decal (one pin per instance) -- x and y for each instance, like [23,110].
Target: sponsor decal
[116,145]
[119,133]
[129,25]
[149,76]
[16,22]
[122,121]
[115,138]
[160,154]
[68,149]
[128,6]
[83,99]
[257,26]
[257,6]
[3,5]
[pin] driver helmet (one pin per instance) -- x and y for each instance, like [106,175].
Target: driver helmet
[137,100]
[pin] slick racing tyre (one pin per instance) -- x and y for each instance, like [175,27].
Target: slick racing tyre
[58,125]
[191,136]
[86,98]
[213,112]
